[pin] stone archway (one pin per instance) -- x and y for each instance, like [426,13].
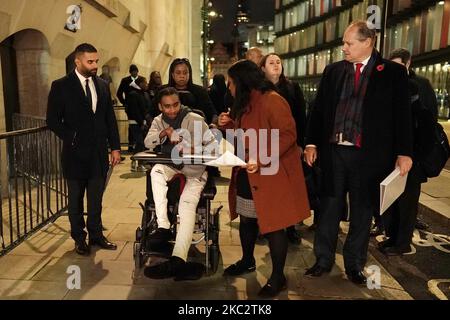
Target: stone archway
[26,67]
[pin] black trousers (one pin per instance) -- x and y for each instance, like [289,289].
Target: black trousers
[94,186]
[346,178]
[400,218]
[138,137]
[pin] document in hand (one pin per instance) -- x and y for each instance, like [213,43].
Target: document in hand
[226,160]
[391,188]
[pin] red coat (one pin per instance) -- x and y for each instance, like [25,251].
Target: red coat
[280,199]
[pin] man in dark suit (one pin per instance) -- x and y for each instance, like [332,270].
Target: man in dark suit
[361,128]
[80,113]
[127,85]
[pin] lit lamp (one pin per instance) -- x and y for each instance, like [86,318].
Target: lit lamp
[208,13]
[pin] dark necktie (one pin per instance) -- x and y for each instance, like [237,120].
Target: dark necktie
[88,94]
[357,75]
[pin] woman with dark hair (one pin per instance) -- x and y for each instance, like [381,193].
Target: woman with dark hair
[255,194]
[217,92]
[191,95]
[154,84]
[272,67]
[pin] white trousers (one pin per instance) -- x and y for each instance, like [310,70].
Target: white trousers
[189,199]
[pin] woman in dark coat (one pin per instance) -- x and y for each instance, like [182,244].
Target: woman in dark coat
[272,66]
[255,194]
[191,95]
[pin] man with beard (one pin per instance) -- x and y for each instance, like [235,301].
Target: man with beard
[81,114]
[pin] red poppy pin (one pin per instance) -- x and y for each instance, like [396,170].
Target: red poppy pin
[380,67]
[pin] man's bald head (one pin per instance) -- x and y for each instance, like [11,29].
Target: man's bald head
[254,54]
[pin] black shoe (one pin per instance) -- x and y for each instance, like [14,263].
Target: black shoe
[420,225]
[190,271]
[395,251]
[167,269]
[357,277]
[82,248]
[239,268]
[103,243]
[161,234]
[384,244]
[376,230]
[272,289]
[316,270]
[293,235]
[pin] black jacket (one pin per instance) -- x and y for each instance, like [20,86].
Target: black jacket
[294,96]
[124,88]
[426,93]
[139,106]
[386,126]
[85,135]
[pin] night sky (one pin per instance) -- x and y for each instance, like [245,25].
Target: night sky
[259,11]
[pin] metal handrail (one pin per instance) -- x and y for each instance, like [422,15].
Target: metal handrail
[33,190]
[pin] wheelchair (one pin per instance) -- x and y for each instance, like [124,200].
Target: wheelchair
[206,227]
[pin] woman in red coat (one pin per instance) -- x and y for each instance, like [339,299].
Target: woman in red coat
[271,194]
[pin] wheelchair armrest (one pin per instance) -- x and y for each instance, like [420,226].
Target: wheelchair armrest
[210,190]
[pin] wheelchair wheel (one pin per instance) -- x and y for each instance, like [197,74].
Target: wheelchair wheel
[138,256]
[214,257]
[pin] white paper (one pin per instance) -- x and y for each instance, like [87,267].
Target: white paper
[226,160]
[199,156]
[391,188]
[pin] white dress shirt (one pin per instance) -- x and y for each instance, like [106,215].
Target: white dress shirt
[91,86]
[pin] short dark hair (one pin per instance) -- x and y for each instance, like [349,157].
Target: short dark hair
[84,47]
[401,53]
[167,91]
[364,32]
[133,67]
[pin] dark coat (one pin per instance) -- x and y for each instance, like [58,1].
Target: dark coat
[124,88]
[426,93]
[291,91]
[280,199]
[386,124]
[85,135]
[139,106]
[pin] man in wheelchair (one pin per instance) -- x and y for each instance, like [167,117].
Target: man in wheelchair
[173,131]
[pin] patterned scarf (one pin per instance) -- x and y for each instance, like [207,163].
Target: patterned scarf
[349,111]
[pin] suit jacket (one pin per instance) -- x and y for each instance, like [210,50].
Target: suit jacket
[85,135]
[280,199]
[386,124]
[124,88]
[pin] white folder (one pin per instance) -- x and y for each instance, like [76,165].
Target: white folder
[391,188]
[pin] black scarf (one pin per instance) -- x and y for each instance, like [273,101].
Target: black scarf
[167,146]
[349,111]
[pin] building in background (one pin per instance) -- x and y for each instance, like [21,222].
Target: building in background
[36,45]
[309,37]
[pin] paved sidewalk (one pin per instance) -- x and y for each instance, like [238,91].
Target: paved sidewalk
[37,269]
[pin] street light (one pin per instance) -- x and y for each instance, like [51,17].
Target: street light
[208,13]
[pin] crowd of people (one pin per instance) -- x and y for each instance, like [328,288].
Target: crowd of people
[370,115]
